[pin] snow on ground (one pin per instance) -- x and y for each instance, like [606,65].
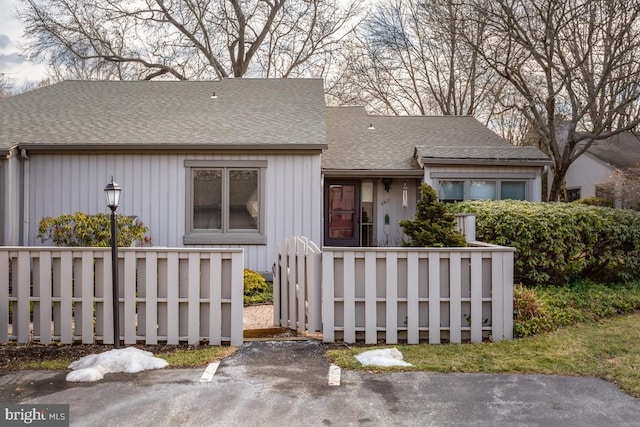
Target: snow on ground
[95,366]
[383,357]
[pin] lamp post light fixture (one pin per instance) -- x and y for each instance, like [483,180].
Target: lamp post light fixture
[112,193]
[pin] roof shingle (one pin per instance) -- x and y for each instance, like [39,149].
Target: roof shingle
[246,112]
[392,143]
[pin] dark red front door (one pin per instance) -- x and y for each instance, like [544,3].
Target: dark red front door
[342,219]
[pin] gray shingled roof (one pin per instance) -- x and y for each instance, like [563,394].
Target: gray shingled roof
[622,151]
[396,142]
[438,154]
[248,113]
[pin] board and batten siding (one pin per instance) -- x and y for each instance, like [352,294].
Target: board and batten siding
[390,203]
[154,190]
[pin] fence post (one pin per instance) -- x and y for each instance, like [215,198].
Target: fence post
[237,302]
[434,298]
[314,279]
[328,319]
[21,288]
[4,296]
[301,281]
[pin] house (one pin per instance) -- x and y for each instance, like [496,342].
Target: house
[590,175]
[240,163]
[381,161]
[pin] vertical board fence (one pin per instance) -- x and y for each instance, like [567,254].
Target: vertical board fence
[166,295]
[296,285]
[417,295]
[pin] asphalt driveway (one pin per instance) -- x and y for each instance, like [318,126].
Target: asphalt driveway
[286,384]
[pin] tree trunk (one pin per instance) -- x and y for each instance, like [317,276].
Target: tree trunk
[558,192]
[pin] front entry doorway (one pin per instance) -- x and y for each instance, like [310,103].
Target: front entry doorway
[342,213]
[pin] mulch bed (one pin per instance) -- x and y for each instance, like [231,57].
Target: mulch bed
[12,354]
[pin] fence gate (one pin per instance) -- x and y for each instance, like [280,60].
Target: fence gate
[297,298]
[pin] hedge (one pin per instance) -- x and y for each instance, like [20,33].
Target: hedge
[559,242]
[82,230]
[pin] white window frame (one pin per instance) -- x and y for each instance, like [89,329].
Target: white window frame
[225,235]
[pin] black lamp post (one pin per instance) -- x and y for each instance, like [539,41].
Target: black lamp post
[112,192]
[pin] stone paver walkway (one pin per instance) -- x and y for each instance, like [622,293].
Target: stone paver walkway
[257,317]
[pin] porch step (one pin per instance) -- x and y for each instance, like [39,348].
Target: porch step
[269,333]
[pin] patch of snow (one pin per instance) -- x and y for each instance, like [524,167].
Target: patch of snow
[95,366]
[383,357]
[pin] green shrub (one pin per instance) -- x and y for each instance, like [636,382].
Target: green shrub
[560,242]
[82,230]
[528,312]
[433,225]
[256,289]
[545,309]
[594,201]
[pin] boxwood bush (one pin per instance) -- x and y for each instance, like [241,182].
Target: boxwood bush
[560,242]
[256,289]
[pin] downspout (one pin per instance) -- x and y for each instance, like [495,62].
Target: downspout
[25,197]
[10,217]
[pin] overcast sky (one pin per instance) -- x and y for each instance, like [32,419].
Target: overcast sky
[12,65]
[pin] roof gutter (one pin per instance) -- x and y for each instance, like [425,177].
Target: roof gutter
[486,162]
[173,148]
[373,173]
[25,196]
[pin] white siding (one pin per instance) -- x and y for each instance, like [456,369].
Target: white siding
[154,190]
[585,172]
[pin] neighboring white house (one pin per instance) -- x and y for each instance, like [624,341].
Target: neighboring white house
[241,163]
[590,174]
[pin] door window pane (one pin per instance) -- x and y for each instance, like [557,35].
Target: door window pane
[512,190]
[342,197]
[366,214]
[243,199]
[342,212]
[340,225]
[482,190]
[451,191]
[207,199]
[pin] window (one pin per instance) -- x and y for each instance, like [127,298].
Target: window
[225,202]
[573,194]
[480,189]
[514,190]
[451,191]
[366,214]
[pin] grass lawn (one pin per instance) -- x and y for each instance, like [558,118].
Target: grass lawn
[608,349]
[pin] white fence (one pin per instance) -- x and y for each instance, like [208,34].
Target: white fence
[296,286]
[166,295]
[417,294]
[466,224]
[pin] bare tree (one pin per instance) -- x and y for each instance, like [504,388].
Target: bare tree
[186,39]
[622,188]
[5,86]
[573,61]
[412,59]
